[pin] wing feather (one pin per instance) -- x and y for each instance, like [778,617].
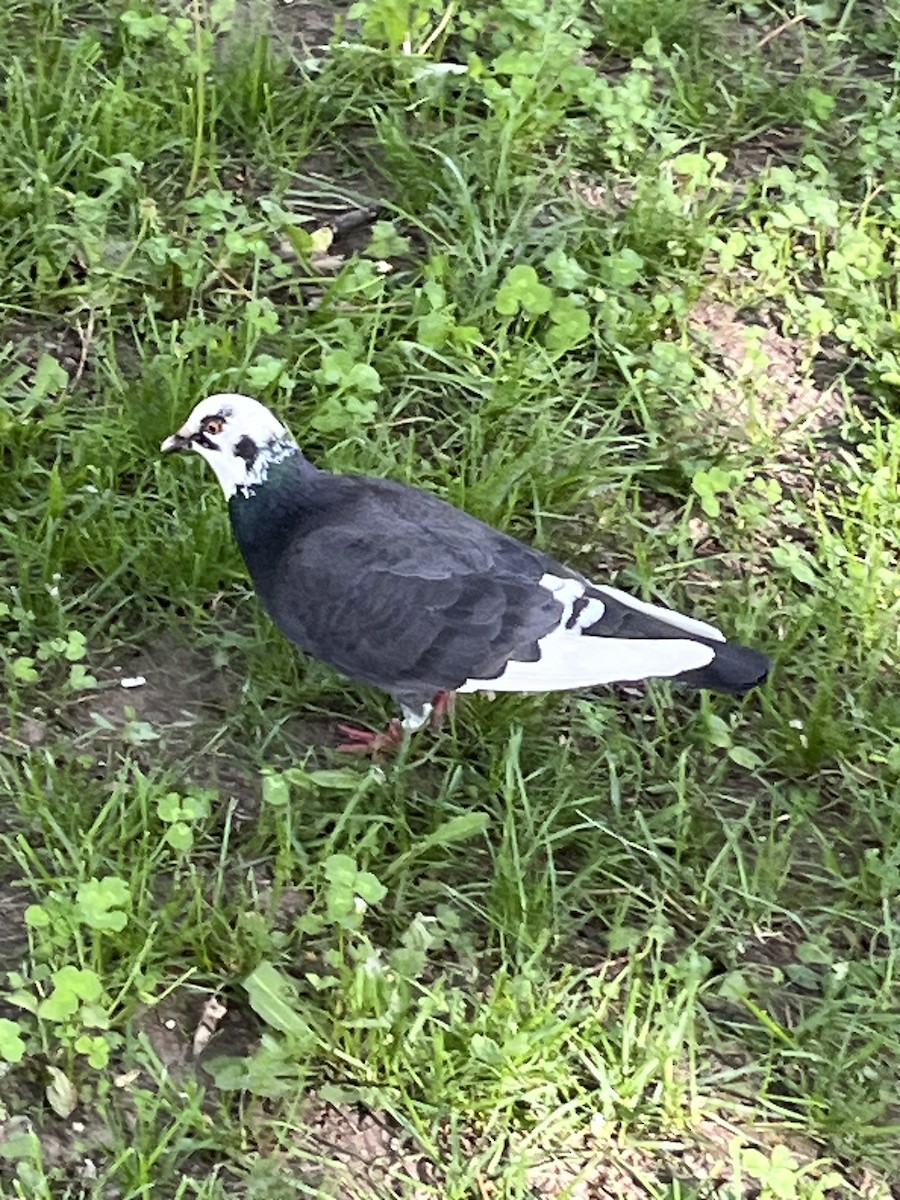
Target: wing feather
[394,587]
[574,661]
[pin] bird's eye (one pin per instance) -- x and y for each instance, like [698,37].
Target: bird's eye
[212,425]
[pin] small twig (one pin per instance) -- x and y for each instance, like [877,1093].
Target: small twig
[438,29]
[238,287]
[86,337]
[863,209]
[483,1186]
[785,25]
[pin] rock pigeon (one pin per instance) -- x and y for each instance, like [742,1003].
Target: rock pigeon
[394,587]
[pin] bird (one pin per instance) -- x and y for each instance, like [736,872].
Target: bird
[394,587]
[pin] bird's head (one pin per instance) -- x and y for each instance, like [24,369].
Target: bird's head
[237,436]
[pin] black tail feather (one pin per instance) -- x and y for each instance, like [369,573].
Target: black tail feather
[735,670]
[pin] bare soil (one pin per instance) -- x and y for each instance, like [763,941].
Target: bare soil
[760,376]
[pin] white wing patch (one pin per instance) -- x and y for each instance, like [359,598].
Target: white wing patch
[568,592]
[570,660]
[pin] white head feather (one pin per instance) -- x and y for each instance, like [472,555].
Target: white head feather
[239,438]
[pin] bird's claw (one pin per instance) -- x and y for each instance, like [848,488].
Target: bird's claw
[364,741]
[442,707]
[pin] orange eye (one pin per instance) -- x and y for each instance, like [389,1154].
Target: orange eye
[212,425]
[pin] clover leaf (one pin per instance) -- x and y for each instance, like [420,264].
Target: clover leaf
[95,1048]
[570,324]
[622,269]
[566,272]
[349,890]
[264,371]
[23,669]
[99,902]
[347,382]
[433,329]
[71,986]
[340,869]
[522,289]
[339,369]
[12,1047]
[369,888]
[709,485]
[386,242]
[180,837]
[344,412]
[175,807]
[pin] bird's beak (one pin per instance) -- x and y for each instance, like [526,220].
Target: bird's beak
[181,440]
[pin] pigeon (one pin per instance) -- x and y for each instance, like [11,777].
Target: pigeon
[394,587]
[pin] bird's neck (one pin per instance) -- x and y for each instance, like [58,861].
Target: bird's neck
[267,515]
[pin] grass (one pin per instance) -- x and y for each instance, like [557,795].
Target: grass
[625,286]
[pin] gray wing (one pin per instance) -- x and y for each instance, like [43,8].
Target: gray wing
[398,589]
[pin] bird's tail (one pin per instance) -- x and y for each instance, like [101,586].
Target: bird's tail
[735,669]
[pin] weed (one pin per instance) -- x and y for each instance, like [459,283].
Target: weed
[620,278]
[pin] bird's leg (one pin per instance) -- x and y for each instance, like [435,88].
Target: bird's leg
[442,706]
[364,741]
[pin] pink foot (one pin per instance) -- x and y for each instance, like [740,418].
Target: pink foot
[441,706]
[364,741]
